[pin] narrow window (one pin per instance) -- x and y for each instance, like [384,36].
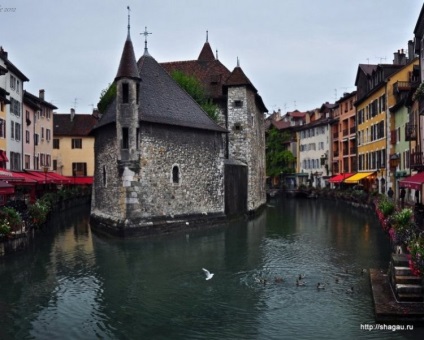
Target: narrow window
[137,138]
[125,93]
[104,176]
[56,143]
[125,143]
[175,175]
[137,92]
[238,103]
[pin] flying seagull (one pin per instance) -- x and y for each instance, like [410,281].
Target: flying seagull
[208,274]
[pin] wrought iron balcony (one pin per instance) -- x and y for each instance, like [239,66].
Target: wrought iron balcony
[417,160]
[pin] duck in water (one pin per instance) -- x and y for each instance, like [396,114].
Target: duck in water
[320,285]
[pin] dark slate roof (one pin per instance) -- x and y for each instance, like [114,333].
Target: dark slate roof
[163,101]
[128,65]
[3,94]
[36,102]
[367,69]
[80,126]
[10,66]
[211,73]
[3,70]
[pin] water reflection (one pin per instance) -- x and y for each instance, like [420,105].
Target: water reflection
[75,285]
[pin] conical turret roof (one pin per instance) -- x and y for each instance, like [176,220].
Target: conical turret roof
[206,53]
[128,64]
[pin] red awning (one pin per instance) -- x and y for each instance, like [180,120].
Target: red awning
[6,188]
[16,177]
[26,178]
[39,176]
[413,182]
[339,178]
[58,179]
[81,180]
[3,156]
[10,176]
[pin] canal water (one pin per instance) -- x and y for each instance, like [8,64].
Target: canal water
[73,284]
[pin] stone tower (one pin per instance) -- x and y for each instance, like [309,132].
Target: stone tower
[247,137]
[127,82]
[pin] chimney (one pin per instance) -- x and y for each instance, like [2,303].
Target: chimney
[402,57]
[72,114]
[411,53]
[41,94]
[3,53]
[396,58]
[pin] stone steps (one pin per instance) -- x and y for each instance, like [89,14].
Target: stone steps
[402,271]
[407,287]
[407,279]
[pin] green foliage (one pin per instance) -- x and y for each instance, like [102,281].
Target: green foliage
[278,159]
[194,88]
[106,97]
[38,212]
[4,227]
[386,206]
[12,217]
[416,248]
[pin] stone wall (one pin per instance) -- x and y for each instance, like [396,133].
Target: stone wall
[152,192]
[247,141]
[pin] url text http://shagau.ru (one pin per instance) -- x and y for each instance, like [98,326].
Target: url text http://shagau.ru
[385,327]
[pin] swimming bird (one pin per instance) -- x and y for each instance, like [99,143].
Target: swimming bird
[337,280]
[300,283]
[363,271]
[350,290]
[320,286]
[208,274]
[301,277]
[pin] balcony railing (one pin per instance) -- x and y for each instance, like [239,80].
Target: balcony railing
[401,86]
[417,160]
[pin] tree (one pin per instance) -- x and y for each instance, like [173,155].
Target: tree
[278,159]
[106,97]
[194,88]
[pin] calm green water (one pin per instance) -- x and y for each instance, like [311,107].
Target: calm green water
[73,284]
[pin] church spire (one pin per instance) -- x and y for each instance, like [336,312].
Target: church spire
[128,65]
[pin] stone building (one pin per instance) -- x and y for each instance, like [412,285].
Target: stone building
[159,158]
[241,112]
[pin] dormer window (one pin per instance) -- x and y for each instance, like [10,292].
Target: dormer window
[238,103]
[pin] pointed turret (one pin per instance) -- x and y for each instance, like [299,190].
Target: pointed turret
[127,102]
[128,65]
[206,53]
[238,78]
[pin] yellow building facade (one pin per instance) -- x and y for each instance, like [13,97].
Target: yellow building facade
[73,147]
[375,123]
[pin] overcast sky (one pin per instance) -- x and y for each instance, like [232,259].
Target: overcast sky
[297,53]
